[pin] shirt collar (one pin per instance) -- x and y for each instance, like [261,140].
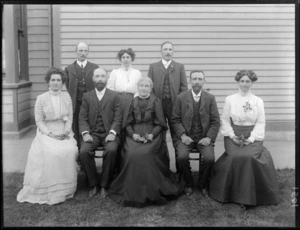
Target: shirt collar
[100,93]
[244,94]
[82,63]
[124,68]
[166,63]
[199,94]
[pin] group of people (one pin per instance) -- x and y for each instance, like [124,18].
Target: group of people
[129,115]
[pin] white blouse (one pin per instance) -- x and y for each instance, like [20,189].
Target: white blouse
[124,81]
[244,109]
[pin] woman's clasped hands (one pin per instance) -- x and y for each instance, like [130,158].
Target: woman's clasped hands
[143,139]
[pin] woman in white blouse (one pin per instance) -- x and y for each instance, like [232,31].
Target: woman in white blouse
[245,173]
[51,170]
[124,80]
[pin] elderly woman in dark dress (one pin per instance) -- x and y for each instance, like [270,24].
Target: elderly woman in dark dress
[245,173]
[144,178]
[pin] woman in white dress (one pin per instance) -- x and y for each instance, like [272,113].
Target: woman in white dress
[51,170]
[245,173]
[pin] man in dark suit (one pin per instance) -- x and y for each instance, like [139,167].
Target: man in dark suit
[169,80]
[100,120]
[196,123]
[79,80]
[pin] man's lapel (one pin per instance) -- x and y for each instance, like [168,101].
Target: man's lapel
[105,98]
[73,68]
[94,98]
[87,69]
[189,101]
[202,104]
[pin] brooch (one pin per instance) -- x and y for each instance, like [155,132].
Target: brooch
[247,107]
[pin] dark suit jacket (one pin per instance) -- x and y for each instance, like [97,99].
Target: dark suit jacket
[71,82]
[183,112]
[178,81]
[111,111]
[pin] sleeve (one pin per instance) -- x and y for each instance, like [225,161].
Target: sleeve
[150,72]
[258,132]
[159,121]
[129,130]
[226,128]
[67,78]
[84,116]
[213,130]
[183,80]
[39,117]
[117,123]
[139,75]
[111,83]
[176,118]
[68,125]
[129,122]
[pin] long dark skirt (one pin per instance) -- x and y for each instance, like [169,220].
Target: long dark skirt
[144,178]
[244,175]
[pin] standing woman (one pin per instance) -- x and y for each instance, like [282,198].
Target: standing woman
[51,172]
[245,173]
[124,80]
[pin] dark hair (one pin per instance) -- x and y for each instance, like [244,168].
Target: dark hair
[128,51]
[54,70]
[166,42]
[250,73]
[196,71]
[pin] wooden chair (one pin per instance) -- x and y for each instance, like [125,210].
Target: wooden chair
[193,156]
[99,152]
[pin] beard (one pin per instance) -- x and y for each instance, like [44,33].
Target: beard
[100,85]
[197,88]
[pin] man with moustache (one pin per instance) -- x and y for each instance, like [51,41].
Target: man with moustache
[169,80]
[100,120]
[196,123]
[79,80]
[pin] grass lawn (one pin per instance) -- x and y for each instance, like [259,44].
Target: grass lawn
[185,211]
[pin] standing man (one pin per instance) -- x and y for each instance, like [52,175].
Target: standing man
[79,80]
[100,120]
[169,80]
[196,123]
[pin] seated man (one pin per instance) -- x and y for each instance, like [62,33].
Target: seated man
[196,123]
[100,121]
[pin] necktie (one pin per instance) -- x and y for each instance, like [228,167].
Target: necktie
[82,66]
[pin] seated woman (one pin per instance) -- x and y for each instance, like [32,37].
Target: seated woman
[51,170]
[144,178]
[245,173]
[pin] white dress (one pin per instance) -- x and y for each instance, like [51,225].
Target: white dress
[51,170]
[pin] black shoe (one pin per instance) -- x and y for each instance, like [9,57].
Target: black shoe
[188,191]
[204,192]
[245,206]
[93,191]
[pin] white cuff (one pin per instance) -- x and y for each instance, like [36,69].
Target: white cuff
[84,132]
[113,132]
[251,139]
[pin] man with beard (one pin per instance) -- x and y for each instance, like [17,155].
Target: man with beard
[100,120]
[196,123]
[79,80]
[169,80]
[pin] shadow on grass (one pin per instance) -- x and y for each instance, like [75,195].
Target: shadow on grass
[185,211]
